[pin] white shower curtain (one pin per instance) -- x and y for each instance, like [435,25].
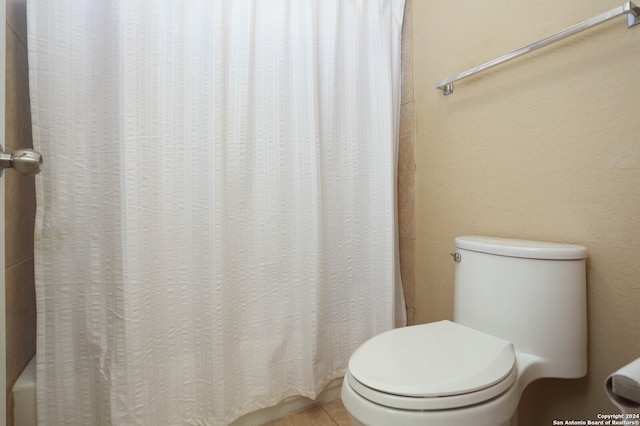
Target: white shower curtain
[216,222]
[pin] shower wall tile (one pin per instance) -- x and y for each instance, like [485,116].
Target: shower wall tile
[407,268]
[18,109]
[19,218]
[406,212]
[407,69]
[406,146]
[21,318]
[17,18]
[407,53]
[19,190]
[407,168]
[20,206]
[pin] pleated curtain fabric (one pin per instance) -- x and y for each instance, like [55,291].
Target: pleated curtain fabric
[216,216]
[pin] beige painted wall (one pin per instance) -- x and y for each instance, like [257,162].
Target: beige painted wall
[546,147]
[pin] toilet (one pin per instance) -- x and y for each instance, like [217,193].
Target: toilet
[520,314]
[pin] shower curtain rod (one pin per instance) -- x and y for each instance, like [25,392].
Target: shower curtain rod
[629,8]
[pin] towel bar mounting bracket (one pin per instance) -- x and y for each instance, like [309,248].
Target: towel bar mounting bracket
[633,15]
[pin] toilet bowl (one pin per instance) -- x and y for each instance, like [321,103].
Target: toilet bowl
[519,315]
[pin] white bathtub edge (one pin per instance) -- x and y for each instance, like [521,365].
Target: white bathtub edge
[24,396]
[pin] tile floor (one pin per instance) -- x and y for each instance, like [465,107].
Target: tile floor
[330,413]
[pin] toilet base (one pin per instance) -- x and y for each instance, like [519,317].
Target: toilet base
[355,422]
[499,411]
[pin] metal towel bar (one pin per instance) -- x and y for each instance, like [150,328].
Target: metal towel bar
[633,18]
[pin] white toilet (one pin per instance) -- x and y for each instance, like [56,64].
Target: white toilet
[520,314]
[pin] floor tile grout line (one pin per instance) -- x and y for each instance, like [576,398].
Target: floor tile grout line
[329,415]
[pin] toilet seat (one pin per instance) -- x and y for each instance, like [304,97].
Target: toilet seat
[432,366]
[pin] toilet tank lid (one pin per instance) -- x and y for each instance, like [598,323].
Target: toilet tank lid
[521,248]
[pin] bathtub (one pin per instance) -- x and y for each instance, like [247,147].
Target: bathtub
[24,395]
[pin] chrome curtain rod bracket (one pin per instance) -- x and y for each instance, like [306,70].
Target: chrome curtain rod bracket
[633,14]
[629,8]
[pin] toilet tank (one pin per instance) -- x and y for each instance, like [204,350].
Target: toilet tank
[529,292]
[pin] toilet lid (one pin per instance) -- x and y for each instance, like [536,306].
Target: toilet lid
[432,360]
